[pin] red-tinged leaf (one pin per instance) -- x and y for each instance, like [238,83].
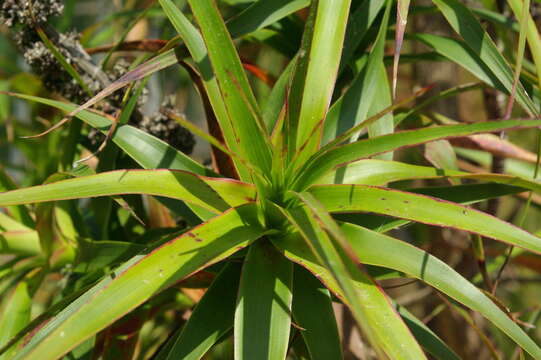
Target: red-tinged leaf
[401,22]
[340,155]
[141,277]
[424,209]
[213,194]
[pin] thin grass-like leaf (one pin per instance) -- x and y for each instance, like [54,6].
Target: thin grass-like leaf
[466,25]
[153,65]
[523,20]
[261,14]
[460,53]
[277,98]
[532,36]
[359,23]
[401,22]
[426,337]
[353,107]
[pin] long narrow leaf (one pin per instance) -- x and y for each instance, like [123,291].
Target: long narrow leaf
[424,209]
[263,314]
[235,90]
[197,48]
[145,149]
[261,14]
[329,159]
[313,84]
[212,194]
[353,107]
[141,277]
[367,301]
[378,249]
[313,312]
[458,52]
[426,337]
[464,23]
[379,172]
[15,315]
[359,23]
[532,36]
[211,319]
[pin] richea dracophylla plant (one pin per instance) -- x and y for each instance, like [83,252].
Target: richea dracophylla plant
[294,216]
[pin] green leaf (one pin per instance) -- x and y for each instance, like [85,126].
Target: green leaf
[401,22]
[368,303]
[385,124]
[532,35]
[5,101]
[213,194]
[263,314]
[19,213]
[147,150]
[277,97]
[140,278]
[15,314]
[424,209]
[379,172]
[261,14]
[96,255]
[466,25]
[359,23]
[15,238]
[317,68]
[340,155]
[210,320]
[353,107]
[313,312]
[458,52]
[381,250]
[198,50]
[236,93]
[426,337]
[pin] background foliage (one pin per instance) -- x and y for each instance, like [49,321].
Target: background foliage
[322,150]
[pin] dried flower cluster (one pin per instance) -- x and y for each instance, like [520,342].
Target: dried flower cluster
[25,15]
[168,129]
[28,12]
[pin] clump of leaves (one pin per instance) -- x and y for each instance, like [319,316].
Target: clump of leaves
[294,215]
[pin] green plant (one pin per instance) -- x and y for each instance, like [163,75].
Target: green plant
[298,199]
